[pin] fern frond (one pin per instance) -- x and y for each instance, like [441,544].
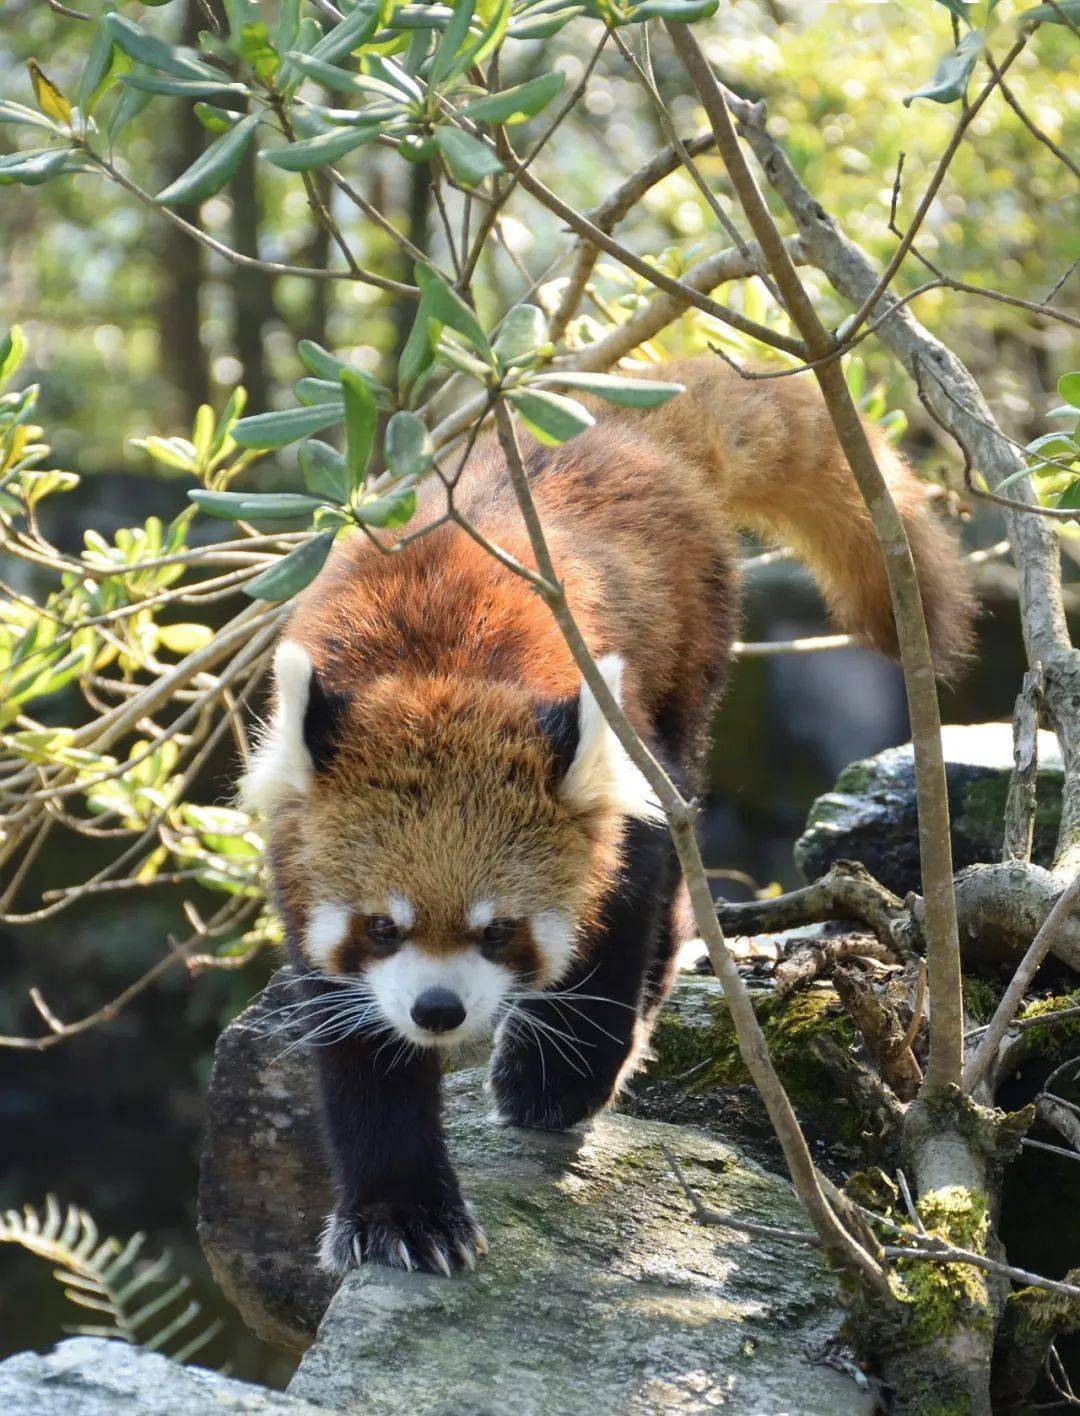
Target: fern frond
[104,1275]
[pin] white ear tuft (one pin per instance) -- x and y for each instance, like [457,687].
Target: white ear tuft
[602,776]
[281,764]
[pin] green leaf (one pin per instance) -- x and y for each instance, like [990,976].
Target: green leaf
[288,25]
[960,8]
[408,446]
[1046,14]
[210,172]
[318,152]
[542,21]
[272,430]
[522,333]
[468,159]
[329,75]
[153,52]
[390,511]
[355,30]
[685,11]
[951,76]
[31,169]
[361,417]
[216,120]
[550,417]
[255,506]
[182,88]
[1069,388]
[626,393]
[325,472]
[294,571]
[446,306]
[313,391]
[453,37]
[514,105]
[1070,497]
[131,103]
[321,363]
[229,415]
[1054,445]
[12,349]
[97,71]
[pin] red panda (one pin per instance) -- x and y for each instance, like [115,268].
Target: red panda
[458,844]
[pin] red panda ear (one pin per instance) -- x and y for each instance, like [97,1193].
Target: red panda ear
[594,772]
[300,738]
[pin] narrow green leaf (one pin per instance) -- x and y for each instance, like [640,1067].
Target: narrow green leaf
[96,71]
[550,417]
[31,169]
[329,75]
[446,306]
[321,363]
[182,88]
[408,445]
[951,76]
[325,472]
[216,120]
[355,30]
[544,22]
[288,25]
[294,571]
[272,430]
[131,103]
[468,159]
[318,152]
[255,506]
[12,349]
[361,416]
[626,393]
[155,53]
[514,105]
[453,37]
[313,391]
[229,415]
[685,11]
[1047,14]
[1069,388]
[12,112]
[210,172]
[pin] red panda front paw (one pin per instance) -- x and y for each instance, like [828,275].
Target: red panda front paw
[400,1236]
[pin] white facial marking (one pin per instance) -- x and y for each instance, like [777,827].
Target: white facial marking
[602,774]
[326,929]
[281,764]
[553,932]
[481,914]
[400,911]
[398,981]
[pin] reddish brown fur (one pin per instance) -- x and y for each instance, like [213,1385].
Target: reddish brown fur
[441,777]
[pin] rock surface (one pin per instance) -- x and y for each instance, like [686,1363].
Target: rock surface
[869,816]
[89,1376]
[599,1294]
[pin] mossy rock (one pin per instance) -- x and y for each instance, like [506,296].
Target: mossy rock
[695,1056]
[869,816]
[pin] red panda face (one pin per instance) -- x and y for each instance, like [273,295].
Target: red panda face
[439,844]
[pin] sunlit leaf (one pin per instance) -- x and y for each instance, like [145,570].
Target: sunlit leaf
[361,417]
[951,76]
[522,333]
[325,471]
[320,151]
[389,511]
[613,388]
[49,98]
[514,105]
[272,430]
[255,506]
[184,638]
[550,417]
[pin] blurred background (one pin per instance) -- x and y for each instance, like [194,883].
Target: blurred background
[130,327]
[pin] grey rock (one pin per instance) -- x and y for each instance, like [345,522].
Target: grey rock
[869,816]
[599,1294]
[89,1376]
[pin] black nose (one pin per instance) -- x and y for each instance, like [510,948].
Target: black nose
[438,1010]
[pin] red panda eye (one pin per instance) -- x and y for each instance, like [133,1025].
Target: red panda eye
[498,933]
[382,930]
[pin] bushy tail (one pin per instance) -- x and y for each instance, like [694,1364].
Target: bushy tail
[780,473]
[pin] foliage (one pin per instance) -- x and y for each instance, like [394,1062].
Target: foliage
[139,1300]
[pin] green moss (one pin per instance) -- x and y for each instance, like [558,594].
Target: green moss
[980,999]
[1059,1039]
[858,777]
[703,1053]
[940,1298]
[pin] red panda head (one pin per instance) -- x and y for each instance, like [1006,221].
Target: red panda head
[440,842]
